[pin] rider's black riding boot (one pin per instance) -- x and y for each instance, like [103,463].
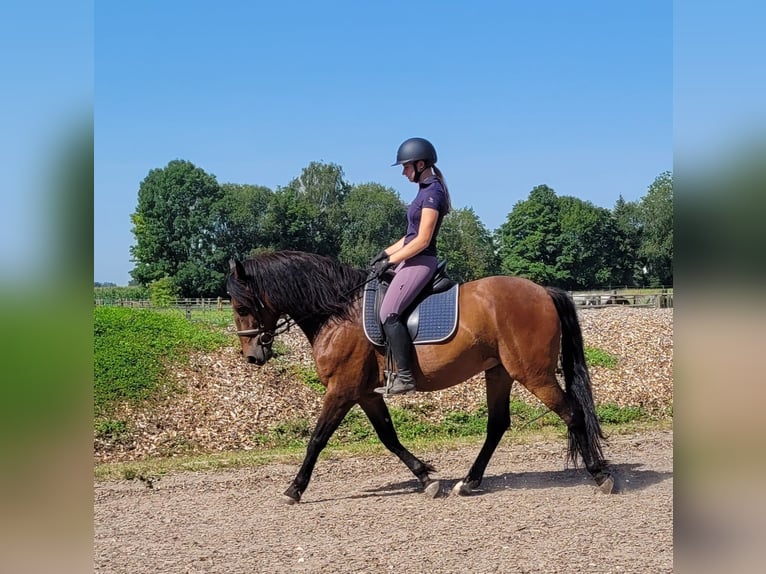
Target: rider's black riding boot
[400,343]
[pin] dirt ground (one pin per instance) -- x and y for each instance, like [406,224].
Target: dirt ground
[533,514]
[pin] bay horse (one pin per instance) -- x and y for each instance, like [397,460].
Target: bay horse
[509,327]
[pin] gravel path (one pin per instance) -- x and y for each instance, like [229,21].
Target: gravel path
[365,515]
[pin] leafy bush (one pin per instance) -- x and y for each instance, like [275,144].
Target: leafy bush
[133,348]
[162,292]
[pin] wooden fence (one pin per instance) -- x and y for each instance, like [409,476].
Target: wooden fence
[596,300]
[589,300]
[199,304]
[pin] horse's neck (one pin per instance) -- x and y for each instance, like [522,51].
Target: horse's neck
[308,322]
[315,326]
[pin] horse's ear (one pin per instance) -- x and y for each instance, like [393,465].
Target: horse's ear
[236,268]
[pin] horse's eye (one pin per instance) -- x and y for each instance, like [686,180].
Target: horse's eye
[242,311]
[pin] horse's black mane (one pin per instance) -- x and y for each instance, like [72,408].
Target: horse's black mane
[300,284]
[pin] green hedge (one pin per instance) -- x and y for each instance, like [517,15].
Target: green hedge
[133,348]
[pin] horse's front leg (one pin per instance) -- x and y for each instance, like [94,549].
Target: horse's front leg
[334,409]
[376,410]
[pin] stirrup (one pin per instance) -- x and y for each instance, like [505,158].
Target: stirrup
[394,386]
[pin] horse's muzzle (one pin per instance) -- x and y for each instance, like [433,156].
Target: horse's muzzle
[257,347]
[258,354]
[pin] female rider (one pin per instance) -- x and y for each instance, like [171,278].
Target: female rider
[413,256]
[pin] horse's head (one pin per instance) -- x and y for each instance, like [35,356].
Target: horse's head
[254,320]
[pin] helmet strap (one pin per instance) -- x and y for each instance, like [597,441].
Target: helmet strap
[418,172]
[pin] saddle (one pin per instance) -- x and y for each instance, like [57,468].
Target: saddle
[432,316]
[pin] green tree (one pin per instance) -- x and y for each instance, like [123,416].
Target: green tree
[529,240]
[308,214]
[374,218]
[657,240]
[467,245]
[177,225]
[591,253]
[323,184]
[245,208]
[292,222]
[627,217]
[571,243]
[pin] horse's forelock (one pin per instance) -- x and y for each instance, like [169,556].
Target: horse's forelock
[238,289]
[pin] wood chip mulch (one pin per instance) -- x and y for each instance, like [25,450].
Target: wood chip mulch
[225,403]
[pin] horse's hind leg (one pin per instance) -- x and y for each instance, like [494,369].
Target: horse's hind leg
[376,410]
[499,384]
[548,390]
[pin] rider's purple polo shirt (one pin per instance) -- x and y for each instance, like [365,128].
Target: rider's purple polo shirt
[430,194]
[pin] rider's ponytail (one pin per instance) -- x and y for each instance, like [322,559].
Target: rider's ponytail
[440,177]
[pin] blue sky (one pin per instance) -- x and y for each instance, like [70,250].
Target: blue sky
[719,85]
[513,96]
[46,66]
[577,96]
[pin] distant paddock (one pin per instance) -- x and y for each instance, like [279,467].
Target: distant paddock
[659,300]
[199,304]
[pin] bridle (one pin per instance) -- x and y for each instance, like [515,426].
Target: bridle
[264,337]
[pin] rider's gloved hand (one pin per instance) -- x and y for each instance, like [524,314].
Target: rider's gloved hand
[379,257]
[380,267]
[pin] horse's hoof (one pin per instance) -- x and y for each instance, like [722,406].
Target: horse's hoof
[289,500]
[607,486]
[432,489]
[462,489]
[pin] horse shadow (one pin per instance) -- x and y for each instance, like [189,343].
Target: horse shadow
[627,478]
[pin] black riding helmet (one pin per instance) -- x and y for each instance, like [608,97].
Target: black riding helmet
[416,149]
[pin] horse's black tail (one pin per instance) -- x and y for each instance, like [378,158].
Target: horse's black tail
[577,383]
